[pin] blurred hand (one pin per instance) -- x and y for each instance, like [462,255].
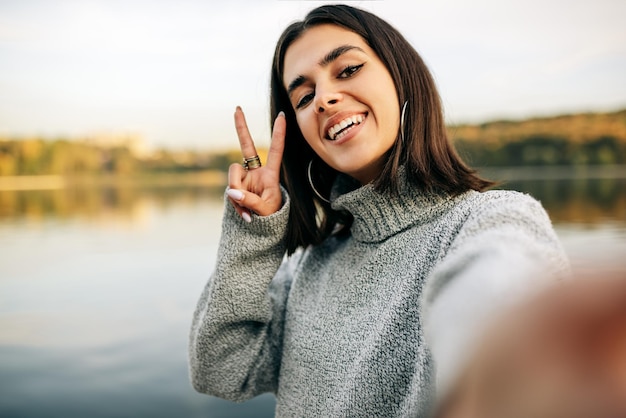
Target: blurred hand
[257,190]
[561,356]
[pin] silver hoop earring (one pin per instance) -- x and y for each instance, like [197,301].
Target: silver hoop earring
[318,194]
[402,120]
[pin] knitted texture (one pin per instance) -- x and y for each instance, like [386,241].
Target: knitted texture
[338,329]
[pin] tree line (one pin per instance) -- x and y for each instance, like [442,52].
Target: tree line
[544,150]
[40,156]
[579,139]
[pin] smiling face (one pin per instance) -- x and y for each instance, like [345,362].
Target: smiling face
[344,99]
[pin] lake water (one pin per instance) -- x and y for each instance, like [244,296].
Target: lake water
[97,289]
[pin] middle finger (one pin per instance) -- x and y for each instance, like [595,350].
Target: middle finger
[245,140]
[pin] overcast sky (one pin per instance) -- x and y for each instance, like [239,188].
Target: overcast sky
[174,70]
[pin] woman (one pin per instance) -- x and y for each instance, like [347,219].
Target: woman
[396,255]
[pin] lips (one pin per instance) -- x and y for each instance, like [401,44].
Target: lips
[341,128]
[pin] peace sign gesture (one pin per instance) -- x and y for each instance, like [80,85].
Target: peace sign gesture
[255,188]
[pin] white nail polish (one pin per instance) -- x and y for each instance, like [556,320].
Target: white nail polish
[246,217]
[234,194]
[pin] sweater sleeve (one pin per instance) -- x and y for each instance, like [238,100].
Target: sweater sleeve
[236,335]
[505,251]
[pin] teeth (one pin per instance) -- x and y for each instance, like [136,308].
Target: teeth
[334,131]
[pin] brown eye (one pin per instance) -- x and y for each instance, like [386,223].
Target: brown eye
[304,101]
[350,70]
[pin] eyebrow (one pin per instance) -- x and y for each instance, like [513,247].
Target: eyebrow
[328,58]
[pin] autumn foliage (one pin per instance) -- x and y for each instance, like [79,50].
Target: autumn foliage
[578,139]
[567,140]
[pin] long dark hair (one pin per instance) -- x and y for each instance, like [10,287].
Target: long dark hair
[430,161]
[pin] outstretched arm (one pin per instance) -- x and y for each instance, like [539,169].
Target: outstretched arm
[505,251]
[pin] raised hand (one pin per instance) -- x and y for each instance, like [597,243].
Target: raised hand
[257,189]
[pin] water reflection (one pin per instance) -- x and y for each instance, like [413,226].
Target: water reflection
[95,311]
[581,200]
[98,203]
[586,201]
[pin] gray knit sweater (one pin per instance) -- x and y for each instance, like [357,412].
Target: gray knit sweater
[367,323]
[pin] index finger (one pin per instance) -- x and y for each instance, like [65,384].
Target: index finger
[245,140]
[275,153]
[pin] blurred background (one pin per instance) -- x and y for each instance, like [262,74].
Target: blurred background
[116,131]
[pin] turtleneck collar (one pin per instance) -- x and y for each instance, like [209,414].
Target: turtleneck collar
[379,215]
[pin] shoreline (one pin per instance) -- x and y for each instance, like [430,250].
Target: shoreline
[209,178]
[559,172]
[216,178]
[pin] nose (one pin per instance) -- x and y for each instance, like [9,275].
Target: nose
[326,97]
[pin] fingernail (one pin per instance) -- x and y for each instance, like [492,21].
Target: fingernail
[246,217]
[238,109]
[281,114]
[234,194]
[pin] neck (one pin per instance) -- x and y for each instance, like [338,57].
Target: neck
[367,174]
[377,214]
